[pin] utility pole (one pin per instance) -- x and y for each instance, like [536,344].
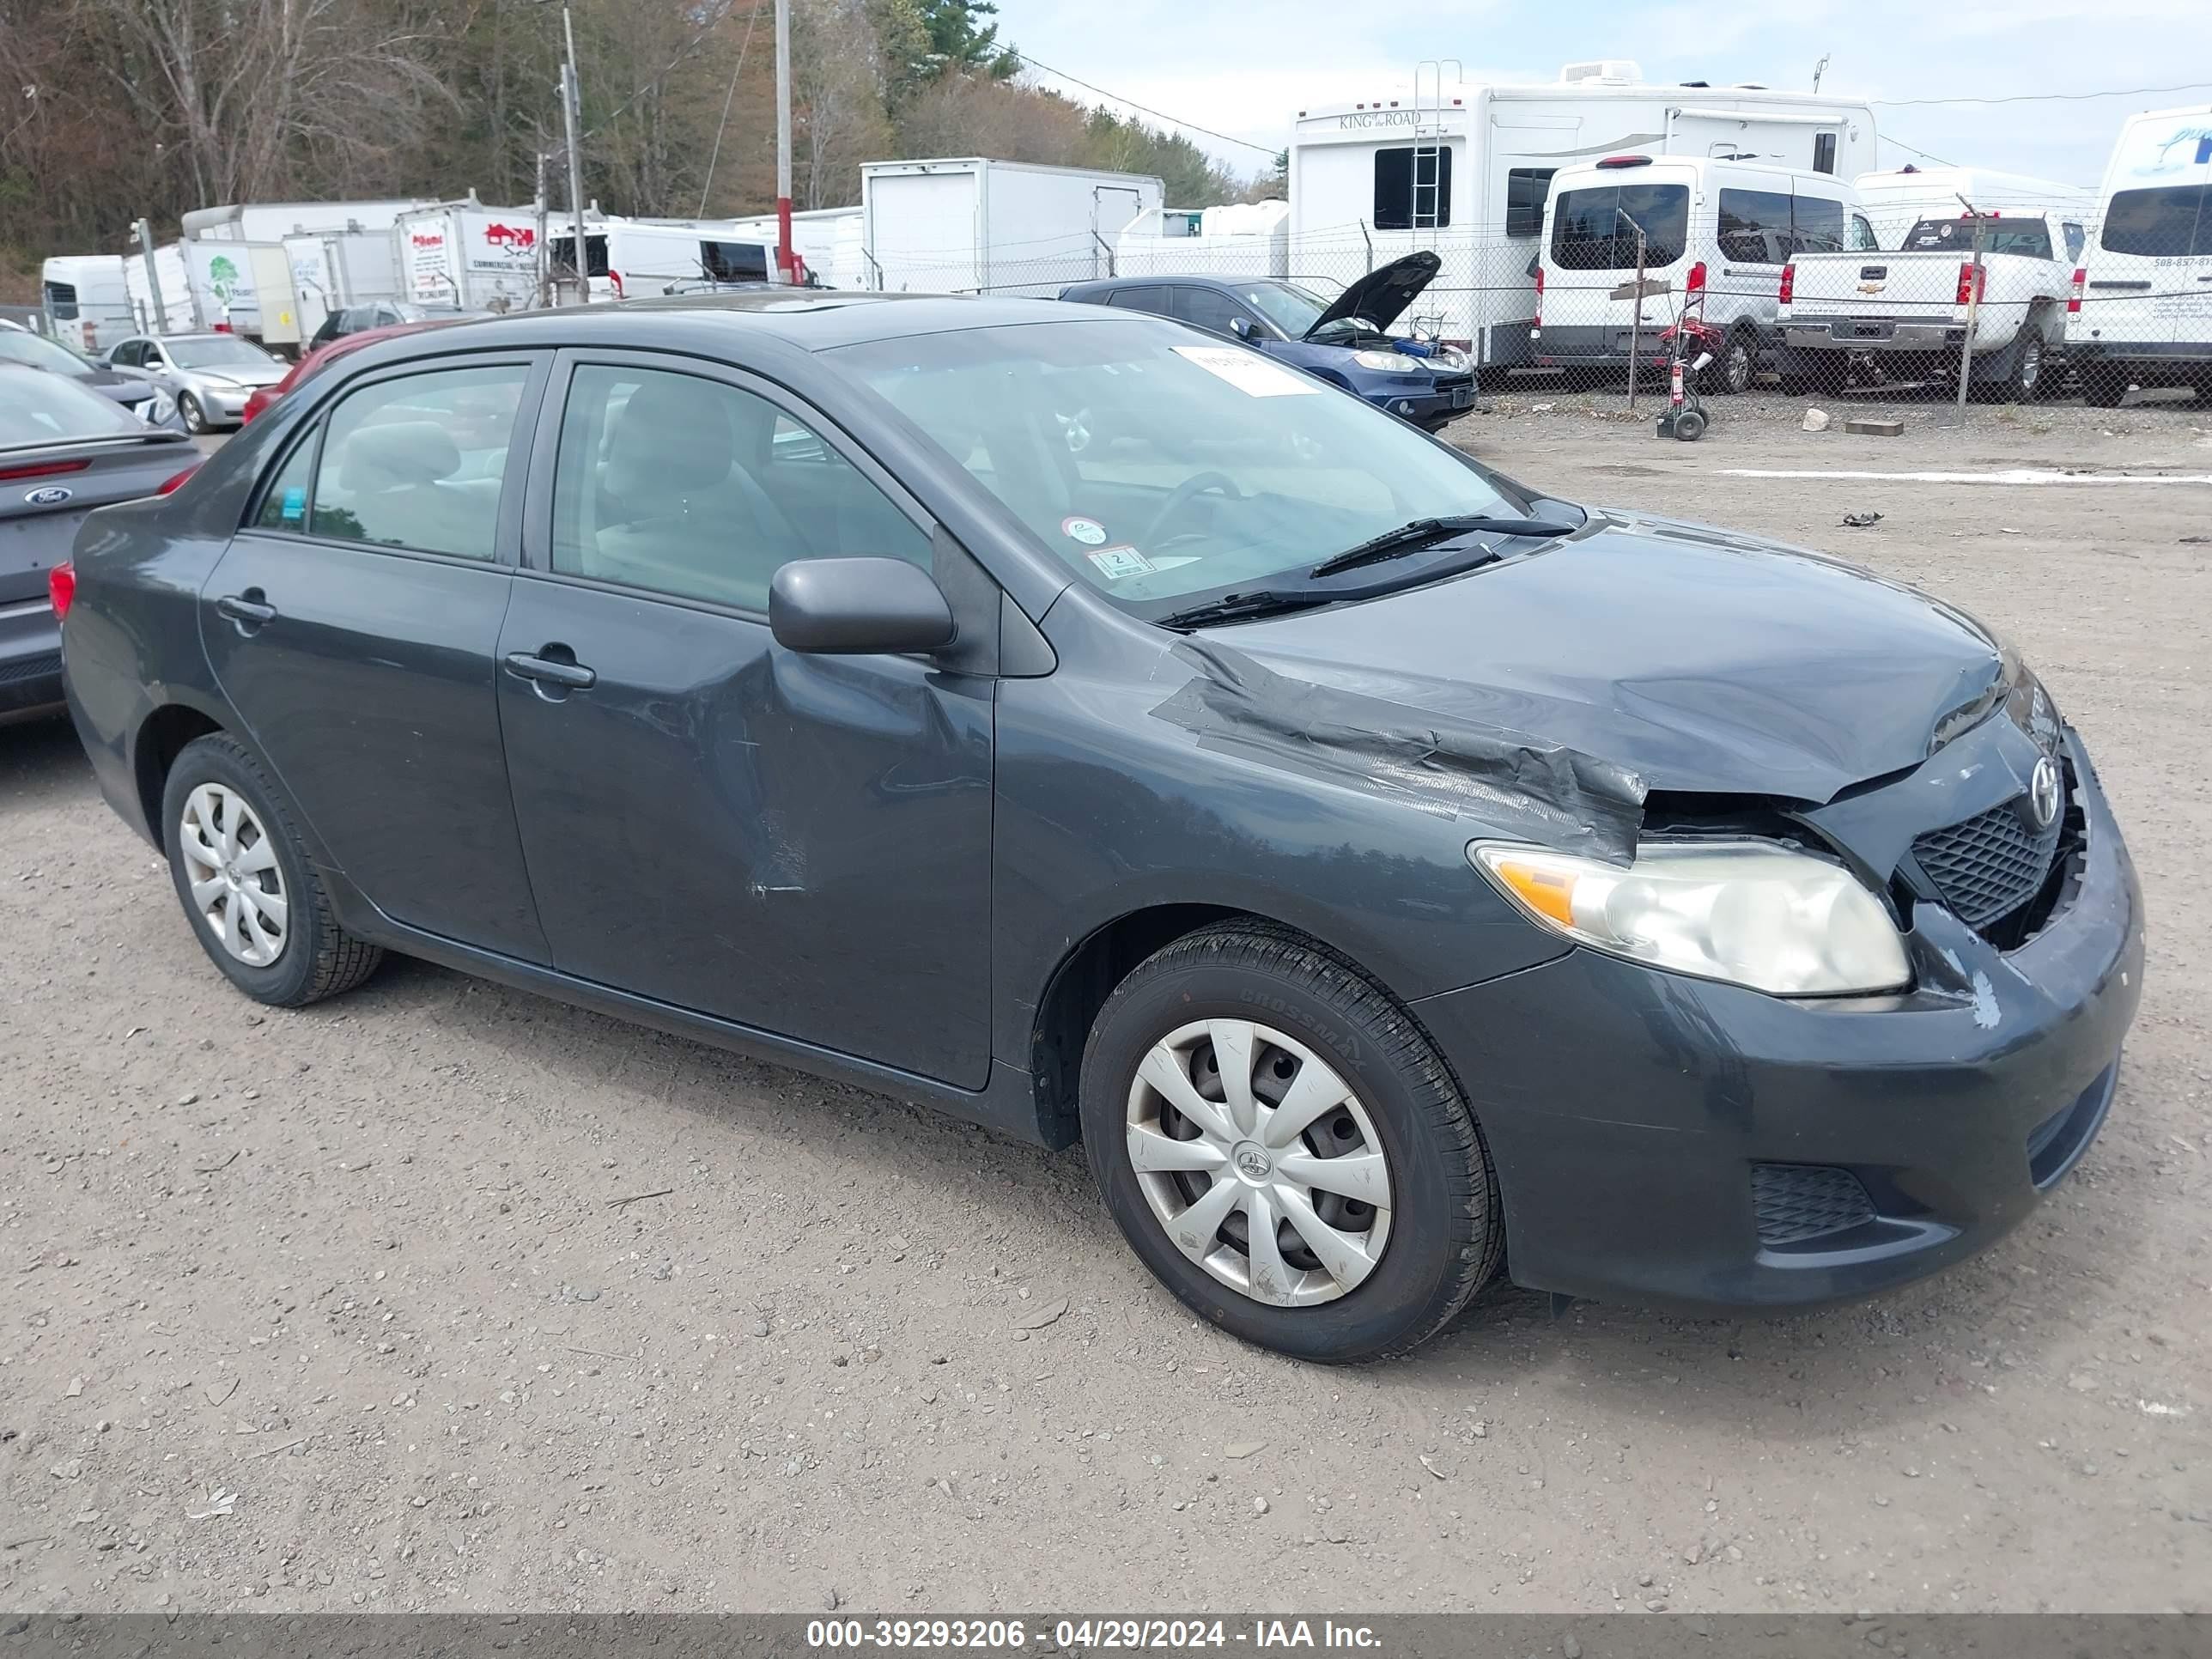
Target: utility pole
[572,99]
[143,231]
[545,260]
[1973,310]
[783,139]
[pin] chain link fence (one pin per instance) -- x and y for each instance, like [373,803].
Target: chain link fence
[2023,300]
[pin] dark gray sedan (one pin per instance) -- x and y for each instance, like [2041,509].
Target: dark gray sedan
[63,450]
[141,397]
[1391,873]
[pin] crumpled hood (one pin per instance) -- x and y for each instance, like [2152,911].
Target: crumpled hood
[1698,659]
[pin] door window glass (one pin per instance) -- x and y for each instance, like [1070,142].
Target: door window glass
[696,488]
[1816,225]
[1754,226]
[1595,229]
[1206,307]
[2159,224]
[1154,300]
[418,462]
[284,504]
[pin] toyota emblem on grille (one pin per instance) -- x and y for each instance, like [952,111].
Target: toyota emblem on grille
[2043,793]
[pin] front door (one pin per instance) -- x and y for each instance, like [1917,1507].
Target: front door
[352,622]
[800,844]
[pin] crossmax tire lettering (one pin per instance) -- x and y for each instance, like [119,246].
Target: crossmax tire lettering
[1446,1234]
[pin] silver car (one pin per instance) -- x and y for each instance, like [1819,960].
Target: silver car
[210,375]
[63,451]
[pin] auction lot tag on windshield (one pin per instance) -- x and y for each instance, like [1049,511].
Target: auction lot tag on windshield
[1119,561]
[1250,373]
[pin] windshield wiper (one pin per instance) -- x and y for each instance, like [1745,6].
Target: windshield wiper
[1239,607]
[1426,533]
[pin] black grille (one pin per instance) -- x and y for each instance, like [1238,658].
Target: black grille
[1988,866]
[46,666]
[1798,1202]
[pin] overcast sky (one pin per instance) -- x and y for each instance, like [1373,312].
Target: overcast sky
[1245,68]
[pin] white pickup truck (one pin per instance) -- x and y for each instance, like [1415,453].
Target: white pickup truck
[1904,314]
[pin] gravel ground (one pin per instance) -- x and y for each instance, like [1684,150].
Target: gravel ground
[444,1297]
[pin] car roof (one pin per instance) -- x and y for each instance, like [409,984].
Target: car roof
[811,319]
[1179,279]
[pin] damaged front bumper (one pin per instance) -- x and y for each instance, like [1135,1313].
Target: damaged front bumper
[1702,1145]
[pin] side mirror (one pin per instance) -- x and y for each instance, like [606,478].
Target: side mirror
[1242,328]
[857,607]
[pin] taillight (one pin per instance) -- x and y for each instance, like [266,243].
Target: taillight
[2080,282]
[169,485]
[1788,283]
[61,588]
[1538,320]
[1967,283]
[1696,283]
[40,470]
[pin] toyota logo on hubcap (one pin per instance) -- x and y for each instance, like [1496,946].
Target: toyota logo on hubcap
[2043,793]
[1253,1161]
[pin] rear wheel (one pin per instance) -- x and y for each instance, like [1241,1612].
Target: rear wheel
[2103,385]
[247,882]
[1735,367]
[1283,1148]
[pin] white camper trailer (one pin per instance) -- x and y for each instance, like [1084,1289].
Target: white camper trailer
[85,296]
[969,225]
[1463,170]
[467,256]
[1244,238]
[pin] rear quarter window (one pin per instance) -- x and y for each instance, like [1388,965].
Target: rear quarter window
[2169,222]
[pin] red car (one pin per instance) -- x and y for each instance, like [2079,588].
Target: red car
[316,361]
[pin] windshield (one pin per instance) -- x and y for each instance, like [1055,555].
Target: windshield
[1288,307]
[2031,237]
[215,351]
[35,352]
[1157,467]
[44,408]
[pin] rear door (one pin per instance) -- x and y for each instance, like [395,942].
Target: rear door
[2149,264]
[1754,235]
[1591,260]
[352,624]
[801,844]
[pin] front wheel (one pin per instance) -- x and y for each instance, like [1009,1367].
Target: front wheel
[1286,1149]
[195,416]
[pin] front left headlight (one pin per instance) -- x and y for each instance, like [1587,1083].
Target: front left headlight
[1387,362]
[1750,913]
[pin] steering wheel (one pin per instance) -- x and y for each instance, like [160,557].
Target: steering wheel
[1181,496]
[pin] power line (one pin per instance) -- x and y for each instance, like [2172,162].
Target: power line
[715,154]
[1925,155]
[2042,97]
[1157,115]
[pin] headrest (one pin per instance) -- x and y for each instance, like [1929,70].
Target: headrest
[392,454]
[674,434]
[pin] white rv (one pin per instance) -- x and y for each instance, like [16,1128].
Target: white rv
[969,225]
[2141,310]
[1464,169]
[85,296]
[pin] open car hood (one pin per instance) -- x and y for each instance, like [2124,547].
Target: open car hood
[1382,295]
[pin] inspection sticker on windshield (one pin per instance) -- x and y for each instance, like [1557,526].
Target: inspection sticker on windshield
[1119,561]
[1250,372]
[1089,531]
[295,506]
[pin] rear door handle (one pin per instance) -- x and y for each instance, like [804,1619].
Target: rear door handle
[571,676]
[248,609]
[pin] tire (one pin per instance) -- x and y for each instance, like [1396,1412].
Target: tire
[1441,1225]
[213,779]
[1736,370]
[1690,425]
[2104,384]
[196,421]
[2031,361]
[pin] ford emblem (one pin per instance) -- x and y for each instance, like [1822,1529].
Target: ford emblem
[2044,789]
[52,495]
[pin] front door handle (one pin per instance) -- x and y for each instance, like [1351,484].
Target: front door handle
[549,670]
[248,609]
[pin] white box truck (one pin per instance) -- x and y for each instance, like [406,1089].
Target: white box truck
[467,256]
[826,241]
[244,287]
[85,296]
[970,225]
[1463,170]
[272,222]
[333,269]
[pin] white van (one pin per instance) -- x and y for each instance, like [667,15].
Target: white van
[1711,227]
[2140,310]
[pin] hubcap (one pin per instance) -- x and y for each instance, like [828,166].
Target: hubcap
[1260,1162]
[231,866]
[2031,362]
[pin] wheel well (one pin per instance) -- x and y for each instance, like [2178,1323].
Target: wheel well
[1078,990]
[166,731]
